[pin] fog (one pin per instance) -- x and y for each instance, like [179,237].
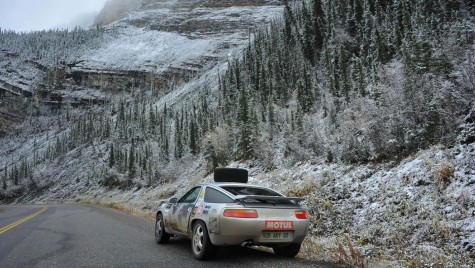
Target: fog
[114,10]
[32,15]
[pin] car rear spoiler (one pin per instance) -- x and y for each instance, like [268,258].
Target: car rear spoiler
[266,197]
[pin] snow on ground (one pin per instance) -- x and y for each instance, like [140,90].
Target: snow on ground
[396,214]
[407,208]
[136,46]
[155,40]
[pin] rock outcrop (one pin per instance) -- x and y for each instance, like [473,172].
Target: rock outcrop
[160,45]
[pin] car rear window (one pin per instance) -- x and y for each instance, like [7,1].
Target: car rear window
[256,191]
[214,196]
[245,190]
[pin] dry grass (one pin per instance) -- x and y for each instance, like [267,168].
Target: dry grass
[310,248]
[415,264]
[351,255]
[446,174]
[300,191]
[325,250]
[440,228]
[121,207]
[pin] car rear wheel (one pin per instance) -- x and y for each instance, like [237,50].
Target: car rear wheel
[161,236]
[287,251]
[200,243]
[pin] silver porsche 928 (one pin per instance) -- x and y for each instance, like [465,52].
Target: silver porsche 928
[232,212]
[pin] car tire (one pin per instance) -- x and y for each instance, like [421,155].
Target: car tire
[287,251]
[161,236]
[201,245]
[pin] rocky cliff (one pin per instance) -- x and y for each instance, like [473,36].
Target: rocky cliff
[160,45]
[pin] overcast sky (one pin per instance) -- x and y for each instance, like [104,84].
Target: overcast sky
[28,15]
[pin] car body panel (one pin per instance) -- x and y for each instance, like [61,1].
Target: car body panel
[276,223]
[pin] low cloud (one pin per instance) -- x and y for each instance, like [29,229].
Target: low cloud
[114,10]
[33,15]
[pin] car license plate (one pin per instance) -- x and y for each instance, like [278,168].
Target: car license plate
[272,236]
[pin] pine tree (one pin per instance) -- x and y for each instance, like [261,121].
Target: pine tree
[343,72]
[131,166]
[299,122]
[289,37]
[254,124]
[5,176]
[111,156]
[308,41]
[272,119]
[15,175]
[193,138]
[244,143]
[210,155]
[318,25]
[164,149]
[178,139]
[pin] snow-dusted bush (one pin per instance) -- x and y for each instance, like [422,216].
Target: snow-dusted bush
[218,146]
[12,193]
[115,180]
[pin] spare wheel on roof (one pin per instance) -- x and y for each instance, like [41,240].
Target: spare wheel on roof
[231,175]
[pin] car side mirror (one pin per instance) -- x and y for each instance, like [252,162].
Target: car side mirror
[173,200]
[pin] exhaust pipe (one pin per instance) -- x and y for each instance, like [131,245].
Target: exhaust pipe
[247,243]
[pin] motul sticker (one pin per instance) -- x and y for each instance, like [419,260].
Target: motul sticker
[279,225]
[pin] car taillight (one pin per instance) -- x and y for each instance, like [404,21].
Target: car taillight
[240,213]
[301,214]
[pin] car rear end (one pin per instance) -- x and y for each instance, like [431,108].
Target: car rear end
[261,226]
[259,216]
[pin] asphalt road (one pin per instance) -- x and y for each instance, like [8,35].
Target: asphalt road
[71,235]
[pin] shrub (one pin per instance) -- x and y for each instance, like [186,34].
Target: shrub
[353,257]
[446,174]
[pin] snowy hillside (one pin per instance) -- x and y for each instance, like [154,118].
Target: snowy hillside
[154,40]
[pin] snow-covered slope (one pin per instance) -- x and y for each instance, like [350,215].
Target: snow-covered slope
[419,211]
[157,39]
[153,47]
[166,42]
